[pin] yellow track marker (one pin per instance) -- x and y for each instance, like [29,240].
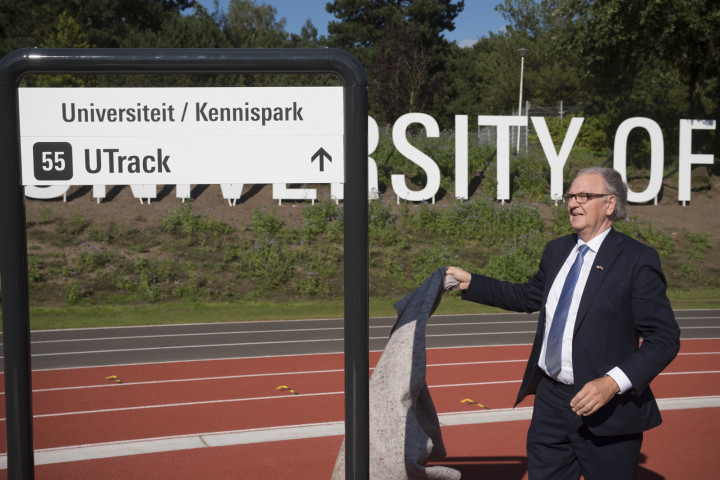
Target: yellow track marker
[285,387]
[469,401]
[113,377]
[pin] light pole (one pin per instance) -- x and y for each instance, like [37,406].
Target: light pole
[522,52]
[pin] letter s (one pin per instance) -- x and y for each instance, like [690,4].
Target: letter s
[416,156]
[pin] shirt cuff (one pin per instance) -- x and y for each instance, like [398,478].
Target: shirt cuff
[621,379]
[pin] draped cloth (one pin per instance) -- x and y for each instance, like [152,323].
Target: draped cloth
[404,427]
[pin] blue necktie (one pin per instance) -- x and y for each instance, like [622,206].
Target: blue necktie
[553,349]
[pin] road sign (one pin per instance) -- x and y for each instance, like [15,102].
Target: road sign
[125,136]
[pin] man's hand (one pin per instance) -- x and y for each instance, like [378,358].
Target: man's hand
[460,275]
[594,395]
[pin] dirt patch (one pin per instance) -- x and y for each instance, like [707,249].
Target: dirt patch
[701,215]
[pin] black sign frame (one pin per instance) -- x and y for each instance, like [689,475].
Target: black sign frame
[13,234]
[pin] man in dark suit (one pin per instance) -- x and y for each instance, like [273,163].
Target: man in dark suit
[599,293]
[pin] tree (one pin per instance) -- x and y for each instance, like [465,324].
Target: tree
[107,23]
[67,34]
[618,39]
[401,80]
[308,37]
[400,42]
[24,24]
[361,22]
[553,71]
[250,25]
[198,30]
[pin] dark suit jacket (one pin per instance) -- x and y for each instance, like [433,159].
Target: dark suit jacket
[624,300]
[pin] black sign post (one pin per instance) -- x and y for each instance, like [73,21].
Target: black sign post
[13,241]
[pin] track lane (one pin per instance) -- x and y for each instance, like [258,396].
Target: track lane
[698,355]
[53,349]
[188,406]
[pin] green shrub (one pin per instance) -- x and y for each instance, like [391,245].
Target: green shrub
[325,217]
[428,259]
[34,269]
[592,136]
[271,261]
[267,224]
[73,228]
[91,257]
[481,220]
[183,220]
[629,226]
[561,221]
[382,227]
[516,264]
[529,177]
[699,243]
[658,239]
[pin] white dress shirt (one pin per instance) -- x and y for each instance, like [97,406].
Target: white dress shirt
[566,373]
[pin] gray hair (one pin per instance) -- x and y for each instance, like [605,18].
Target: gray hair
[614,185]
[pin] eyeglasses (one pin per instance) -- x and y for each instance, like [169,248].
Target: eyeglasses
[583,197]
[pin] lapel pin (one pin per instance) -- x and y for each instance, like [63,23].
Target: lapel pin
[600,267]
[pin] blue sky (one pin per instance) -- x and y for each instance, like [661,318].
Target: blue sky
[476,20]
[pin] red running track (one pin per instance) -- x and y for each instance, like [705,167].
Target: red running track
[82,406]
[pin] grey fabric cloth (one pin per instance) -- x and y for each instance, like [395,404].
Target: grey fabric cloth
[404,427]
[451,283]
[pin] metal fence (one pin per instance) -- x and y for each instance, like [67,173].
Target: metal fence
[488,134]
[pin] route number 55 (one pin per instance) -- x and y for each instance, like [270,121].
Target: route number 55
[52,161]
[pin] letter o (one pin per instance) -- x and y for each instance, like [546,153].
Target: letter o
[656,156]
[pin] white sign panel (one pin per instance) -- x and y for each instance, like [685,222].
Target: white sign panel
[126,136]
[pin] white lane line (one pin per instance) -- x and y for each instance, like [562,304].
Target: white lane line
[270,374]
[76,453]
[473,347]
[700,327]
[184,404]
[260,357]
[699,372]
[295,330]
[237,400]
[315,329]
[283,342]
[181,380]
[376,319]
[436,324]
[286,330]
[277,397]
[337,352]
[252,375]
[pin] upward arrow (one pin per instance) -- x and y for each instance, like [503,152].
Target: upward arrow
[322,155]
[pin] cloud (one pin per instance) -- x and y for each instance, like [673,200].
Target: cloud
[467,43]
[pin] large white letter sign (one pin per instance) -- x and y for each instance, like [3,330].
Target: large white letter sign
[373,141]
[687,158]
[503,124]
[414,155]
[337,191]
[45,193]
[556,160]
[280,192]
[657,151]
[230,191]
[461,156]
